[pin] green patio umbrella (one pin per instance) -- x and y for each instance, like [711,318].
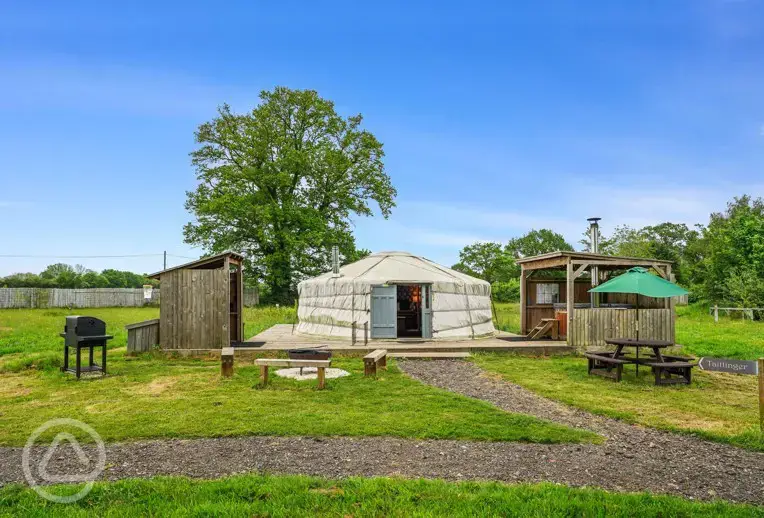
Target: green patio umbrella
[640,281]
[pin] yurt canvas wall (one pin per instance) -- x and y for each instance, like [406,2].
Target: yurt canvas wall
[329,305]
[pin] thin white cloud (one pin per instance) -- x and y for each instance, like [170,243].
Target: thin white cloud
[61,82]
[5,204]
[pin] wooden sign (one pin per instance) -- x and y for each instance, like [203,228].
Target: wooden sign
[732,366]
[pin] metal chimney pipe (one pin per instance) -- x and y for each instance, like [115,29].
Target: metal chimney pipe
[594,247]
[594,235]
[335,261]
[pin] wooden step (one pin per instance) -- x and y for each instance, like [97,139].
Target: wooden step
[439,355]
[540,330]
[547,326]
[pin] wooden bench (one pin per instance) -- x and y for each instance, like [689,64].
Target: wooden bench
[601,353]
[321,365]
[601,365]
[372,360]
[672,372]
[226,362]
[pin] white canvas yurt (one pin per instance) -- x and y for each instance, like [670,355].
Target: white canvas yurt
[397,295]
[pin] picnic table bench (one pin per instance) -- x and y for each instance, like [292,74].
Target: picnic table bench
[604,364]
[668,369]
[320,365]
[375,358]
[671,372]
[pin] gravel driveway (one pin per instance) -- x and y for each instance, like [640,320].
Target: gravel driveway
[633,459]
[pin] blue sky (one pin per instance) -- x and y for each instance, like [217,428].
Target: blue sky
[496,117]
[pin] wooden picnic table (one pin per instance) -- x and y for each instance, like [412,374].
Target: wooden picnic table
[655,345]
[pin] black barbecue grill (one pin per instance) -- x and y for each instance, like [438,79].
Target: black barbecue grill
[84,333]
[309,354]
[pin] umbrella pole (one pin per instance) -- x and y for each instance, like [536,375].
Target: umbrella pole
[637,335]
[637,316]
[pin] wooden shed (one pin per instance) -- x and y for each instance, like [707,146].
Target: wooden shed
[201,304]
[556,285]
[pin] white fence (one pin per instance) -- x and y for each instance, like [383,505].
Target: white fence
[88,297]
[751,313]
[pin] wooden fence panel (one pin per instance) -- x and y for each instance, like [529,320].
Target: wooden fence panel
[251,297]
[31,298]
[591,327]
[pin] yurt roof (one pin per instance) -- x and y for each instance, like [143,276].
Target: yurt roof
[397,267]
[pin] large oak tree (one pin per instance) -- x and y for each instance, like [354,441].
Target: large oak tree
[280,185]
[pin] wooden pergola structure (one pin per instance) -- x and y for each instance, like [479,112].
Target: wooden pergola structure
[588,319]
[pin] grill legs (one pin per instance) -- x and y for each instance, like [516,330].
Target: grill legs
[91,366]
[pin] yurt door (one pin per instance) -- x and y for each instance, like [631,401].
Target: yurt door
[384,312]
[426,311]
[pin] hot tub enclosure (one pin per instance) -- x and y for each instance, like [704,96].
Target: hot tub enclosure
[452,305]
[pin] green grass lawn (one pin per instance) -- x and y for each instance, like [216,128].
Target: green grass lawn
[288,496]
[257,320]
[507,316]
[29,337]
[721,407]
[153,396]
[150,397]
[147,397]
[728,338]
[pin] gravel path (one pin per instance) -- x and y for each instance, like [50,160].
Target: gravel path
[633,459]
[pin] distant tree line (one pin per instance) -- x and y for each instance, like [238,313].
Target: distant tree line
[721,262]
[62,275]
[496,263]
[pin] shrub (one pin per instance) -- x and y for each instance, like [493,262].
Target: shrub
[506,291]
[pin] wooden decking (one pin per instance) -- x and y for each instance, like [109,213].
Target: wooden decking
[280,337]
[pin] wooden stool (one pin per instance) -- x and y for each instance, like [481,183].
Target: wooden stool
[226,362]
[374,359]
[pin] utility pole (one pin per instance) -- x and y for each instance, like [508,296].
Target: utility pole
[165,260]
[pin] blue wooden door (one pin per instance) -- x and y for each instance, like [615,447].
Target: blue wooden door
[426,311]
[384,312]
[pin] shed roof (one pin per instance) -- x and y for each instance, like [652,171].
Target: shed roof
[207,263]
[561,258]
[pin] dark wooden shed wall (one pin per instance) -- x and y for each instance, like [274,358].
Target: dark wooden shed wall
[195,309]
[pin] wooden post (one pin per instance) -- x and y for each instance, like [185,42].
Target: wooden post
[671,305]
[264,374]
[226,362]
[570,300]
[321,377]
[352,334]
[366,333]
[523,301]
[716,312]
[761,394]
